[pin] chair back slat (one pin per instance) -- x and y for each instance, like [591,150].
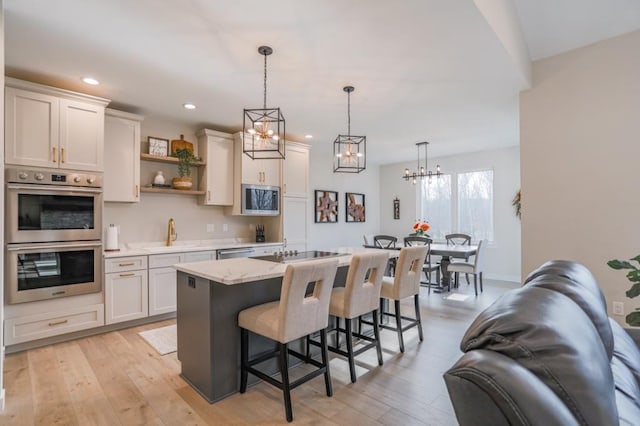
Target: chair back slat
[385,241]
[458,239]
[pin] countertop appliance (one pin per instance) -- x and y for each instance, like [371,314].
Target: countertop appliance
[260,200]
[288,256]
[53,231]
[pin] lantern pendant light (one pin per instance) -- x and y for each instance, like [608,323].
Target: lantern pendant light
[349,152]
[264,128]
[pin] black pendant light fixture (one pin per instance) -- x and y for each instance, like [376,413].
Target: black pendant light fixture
[421,172]
[264,128]
[349,152]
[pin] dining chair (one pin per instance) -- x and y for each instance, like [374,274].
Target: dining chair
[387,242]
[428,268]
[358,297]
[292,317]
[459,240]
[406,283]
[475,268]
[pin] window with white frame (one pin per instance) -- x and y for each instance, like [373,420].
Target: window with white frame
[461,202]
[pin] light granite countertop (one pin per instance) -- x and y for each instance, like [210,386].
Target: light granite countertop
[246,269]
[150,248]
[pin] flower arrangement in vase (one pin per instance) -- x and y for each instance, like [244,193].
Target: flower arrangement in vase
[421,228]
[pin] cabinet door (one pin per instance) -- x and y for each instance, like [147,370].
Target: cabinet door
[31,128]
[121,159]
[296,172]
[218,173]
[81,136]
[126,296]
[270,172]
[162,290]
[251,170]
[199,256]
[294,221]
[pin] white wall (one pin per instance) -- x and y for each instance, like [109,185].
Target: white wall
[321,176]
[503,255]
[580,127]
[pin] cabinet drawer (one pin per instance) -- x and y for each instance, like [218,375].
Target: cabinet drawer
[164,260]
[199,256]
[33,327]
[122,264]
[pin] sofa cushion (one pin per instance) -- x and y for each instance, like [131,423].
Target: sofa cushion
[629,412]
[626,350]
[624,381]
[554,339]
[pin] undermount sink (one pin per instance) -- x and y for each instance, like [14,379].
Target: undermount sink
[165,249]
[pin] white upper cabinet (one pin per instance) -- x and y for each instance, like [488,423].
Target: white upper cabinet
[296,171]
[255,172]
[49,127]
[121,156]
[216,179]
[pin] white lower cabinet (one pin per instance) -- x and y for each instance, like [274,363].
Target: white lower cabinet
[48,324]
[162,290]
[126,290]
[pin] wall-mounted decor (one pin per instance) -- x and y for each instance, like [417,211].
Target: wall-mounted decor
[158,146]
[396,208]
[354,211]
[326,206]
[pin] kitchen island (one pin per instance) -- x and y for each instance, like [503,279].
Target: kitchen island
[210,296]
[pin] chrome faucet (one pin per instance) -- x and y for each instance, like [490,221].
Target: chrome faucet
[171,232]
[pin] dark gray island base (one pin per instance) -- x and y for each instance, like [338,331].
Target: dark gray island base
[208,332]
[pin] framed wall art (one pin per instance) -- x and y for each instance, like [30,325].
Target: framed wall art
[158,146]
[396,208]
[326,210]
[354,211]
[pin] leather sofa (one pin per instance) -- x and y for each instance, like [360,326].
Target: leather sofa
[547,354]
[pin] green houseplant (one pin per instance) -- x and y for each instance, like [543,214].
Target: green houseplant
[633,276]
[186,159]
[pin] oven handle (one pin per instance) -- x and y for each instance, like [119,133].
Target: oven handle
[52,246]
[54,188]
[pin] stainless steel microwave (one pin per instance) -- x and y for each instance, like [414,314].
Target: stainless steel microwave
[260,200]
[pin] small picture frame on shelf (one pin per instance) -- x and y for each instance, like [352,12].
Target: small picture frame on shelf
[158,146]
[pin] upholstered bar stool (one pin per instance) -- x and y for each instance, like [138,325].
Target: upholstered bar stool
[358,297]
[294,316]
[406,283]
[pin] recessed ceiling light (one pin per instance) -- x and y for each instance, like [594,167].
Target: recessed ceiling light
[90,80]
[308,136]
[189,105]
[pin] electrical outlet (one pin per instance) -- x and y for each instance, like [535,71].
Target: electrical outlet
[618,308]
[211,227]
[225,227]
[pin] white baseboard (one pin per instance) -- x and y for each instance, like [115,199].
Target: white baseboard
[501,277]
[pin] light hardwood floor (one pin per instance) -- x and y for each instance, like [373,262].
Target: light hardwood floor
[116,378]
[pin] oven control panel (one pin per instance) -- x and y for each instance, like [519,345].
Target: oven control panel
[53,177]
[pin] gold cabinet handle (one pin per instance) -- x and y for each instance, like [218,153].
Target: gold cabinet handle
[62,155]
[130,274]
[54,323]
[137,191]
[126,264]
[208,195]
[54,156]
[285,188]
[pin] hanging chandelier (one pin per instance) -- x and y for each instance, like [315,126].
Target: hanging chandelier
[264,128]
[349,151]
[421,172]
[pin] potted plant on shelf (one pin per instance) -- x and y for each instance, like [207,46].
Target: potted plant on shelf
[186,159]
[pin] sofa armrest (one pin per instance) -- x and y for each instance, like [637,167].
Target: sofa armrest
[635,335]
[489,389]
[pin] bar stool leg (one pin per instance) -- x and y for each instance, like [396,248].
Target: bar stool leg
[376,334]
[399,325]
[381,310]
[284,373]
[416,302]
[475,283]
[244,359]
[352,364]
[325,362]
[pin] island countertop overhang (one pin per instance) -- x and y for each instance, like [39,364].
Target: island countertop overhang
[246,269]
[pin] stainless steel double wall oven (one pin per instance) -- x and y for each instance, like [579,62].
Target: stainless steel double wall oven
[53,230]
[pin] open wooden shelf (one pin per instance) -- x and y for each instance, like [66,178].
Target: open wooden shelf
[171,191]
[170,160]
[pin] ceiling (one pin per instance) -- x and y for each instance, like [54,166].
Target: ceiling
[422,69]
